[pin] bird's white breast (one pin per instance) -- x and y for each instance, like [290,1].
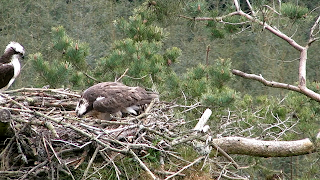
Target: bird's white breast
[16,65]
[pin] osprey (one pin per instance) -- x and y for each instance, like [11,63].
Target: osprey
[10,65]
[113,98]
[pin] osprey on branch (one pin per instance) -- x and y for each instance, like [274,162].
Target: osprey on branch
[10,65]
[113,98]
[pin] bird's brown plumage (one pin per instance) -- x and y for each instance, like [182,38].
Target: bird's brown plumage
[113,97]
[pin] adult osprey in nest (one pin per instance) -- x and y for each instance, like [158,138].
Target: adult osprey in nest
[113,98]
[10,65]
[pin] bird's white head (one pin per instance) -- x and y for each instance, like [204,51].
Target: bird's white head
[82,107]
[15,46]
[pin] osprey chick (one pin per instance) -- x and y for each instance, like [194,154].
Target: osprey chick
[113,98]
[10,65]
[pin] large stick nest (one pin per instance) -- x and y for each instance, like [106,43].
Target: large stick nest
[42,137]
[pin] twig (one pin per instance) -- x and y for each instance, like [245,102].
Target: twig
[42,90]
[82,158]
[102,167]
[168,173]
[115,168]
[33,169]
[226,155]
[143,165]
[54,152]
[90,162]
[186,167]
[45,147]
[125,72]
[52,129]
[73,144]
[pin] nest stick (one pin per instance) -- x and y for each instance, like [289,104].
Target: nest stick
[186,167]
[142,165]
[90,162]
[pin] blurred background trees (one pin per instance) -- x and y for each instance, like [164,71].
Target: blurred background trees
[74,44]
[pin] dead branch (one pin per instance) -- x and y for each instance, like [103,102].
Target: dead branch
[143,165]
[186,167]
[302,90]
[90,162]
[254,147]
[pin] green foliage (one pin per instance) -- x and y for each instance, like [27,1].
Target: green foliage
[171,55]
[141,52]
[216,33]
[220,73]
[64,69]
[293,11]
[138,29]
[219,97]
[55,76]
[73,52]
[204,83]
[196,8]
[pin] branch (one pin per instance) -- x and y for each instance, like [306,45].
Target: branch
[273,30]
[90,162]
[301,89]
[186,167]
[311,36]
[203,120]
[265,82]
[253,147]
[142,164]
[125,72]
[60,91]
[236,3]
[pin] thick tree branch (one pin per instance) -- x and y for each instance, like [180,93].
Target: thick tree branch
[254,147]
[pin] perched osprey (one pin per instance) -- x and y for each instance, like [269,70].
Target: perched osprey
[113,98]
[10,65]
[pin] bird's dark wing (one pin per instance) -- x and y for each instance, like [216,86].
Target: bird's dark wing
[112,98]
[6,73]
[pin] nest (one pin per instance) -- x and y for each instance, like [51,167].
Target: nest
[42,137]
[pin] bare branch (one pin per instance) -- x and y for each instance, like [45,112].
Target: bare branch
[90,162]
[266,82]
[301,89]
[236,3]
[273,30]
[125,72]
[186,167]
[254,147]
[272,9]
[311,36]
[142,164]
[250,7]
[203,120]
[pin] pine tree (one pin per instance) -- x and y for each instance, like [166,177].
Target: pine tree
[66,66]
[141,52]
[144,60]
